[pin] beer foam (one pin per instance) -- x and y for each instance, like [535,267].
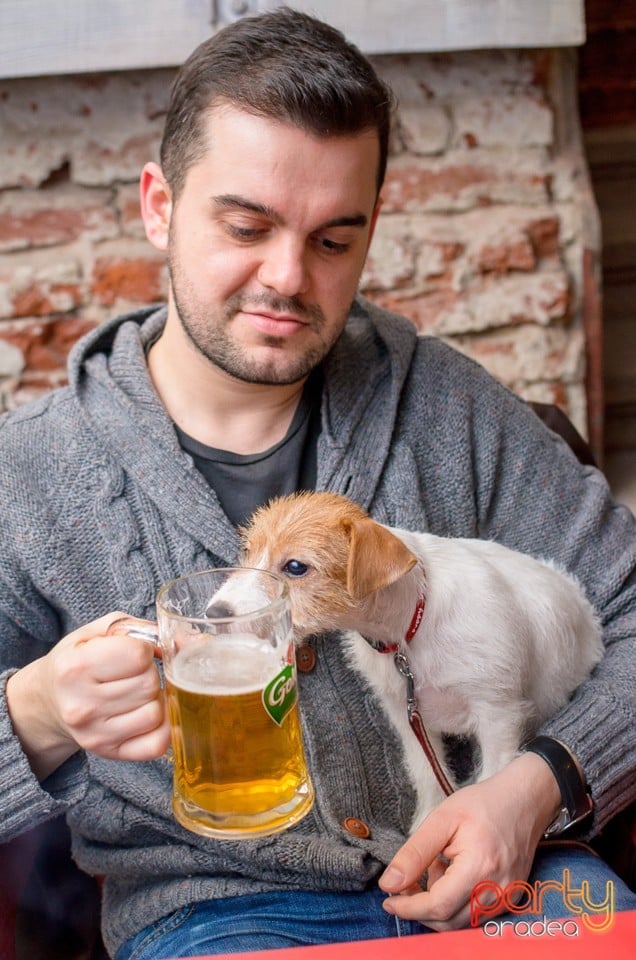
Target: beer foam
[233,664]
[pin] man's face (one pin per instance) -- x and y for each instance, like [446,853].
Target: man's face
[267,241]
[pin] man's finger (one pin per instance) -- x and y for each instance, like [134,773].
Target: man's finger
[412,859]
[444,907]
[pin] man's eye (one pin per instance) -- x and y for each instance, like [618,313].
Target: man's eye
[295,568]
[242,233]
[332,246]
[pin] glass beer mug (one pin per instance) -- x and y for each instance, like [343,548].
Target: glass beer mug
[231,689]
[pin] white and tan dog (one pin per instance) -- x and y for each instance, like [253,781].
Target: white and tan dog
[497,641]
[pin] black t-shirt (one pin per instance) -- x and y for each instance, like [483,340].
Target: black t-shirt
[245,482]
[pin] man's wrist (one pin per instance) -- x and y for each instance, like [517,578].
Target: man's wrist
[45,746]
[576,799]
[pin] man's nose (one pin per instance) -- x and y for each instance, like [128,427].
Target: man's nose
[284,268]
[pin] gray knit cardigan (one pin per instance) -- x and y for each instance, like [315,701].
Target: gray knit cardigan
[100,506]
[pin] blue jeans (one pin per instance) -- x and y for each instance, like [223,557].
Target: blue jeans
[267,921]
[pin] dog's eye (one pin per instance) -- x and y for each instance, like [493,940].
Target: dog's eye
[295,568]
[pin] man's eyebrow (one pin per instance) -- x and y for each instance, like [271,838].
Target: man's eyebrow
[357,220]
[230,201]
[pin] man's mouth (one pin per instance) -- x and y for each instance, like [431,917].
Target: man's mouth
[274,324]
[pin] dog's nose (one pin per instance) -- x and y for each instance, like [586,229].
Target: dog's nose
[218,611]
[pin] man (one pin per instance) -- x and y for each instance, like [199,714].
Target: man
[264,374]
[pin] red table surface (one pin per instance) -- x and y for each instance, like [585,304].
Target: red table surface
[619,943]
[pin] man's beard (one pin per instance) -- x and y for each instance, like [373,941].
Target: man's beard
[211,338]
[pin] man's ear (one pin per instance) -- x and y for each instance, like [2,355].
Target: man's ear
[156,205]
[377,557]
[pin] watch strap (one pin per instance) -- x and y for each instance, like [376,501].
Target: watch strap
[575,794]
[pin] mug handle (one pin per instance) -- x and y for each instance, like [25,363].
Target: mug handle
[129,627]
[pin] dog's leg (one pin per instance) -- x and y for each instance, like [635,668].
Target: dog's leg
[428,790]
[500,730]
[380,673]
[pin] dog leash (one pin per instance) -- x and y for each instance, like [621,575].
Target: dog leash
[415,720]
[417,726]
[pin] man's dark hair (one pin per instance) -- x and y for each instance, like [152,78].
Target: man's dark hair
[284,65]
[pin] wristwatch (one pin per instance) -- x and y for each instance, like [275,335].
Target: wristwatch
[575,793]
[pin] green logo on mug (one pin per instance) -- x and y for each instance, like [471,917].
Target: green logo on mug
[279,696]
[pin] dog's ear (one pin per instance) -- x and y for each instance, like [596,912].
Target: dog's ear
[377,557]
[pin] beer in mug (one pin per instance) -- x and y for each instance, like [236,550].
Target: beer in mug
[230,676]
[238,755]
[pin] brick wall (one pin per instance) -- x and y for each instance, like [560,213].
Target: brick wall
[487,213]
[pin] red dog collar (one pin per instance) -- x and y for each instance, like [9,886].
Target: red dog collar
[410,633]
